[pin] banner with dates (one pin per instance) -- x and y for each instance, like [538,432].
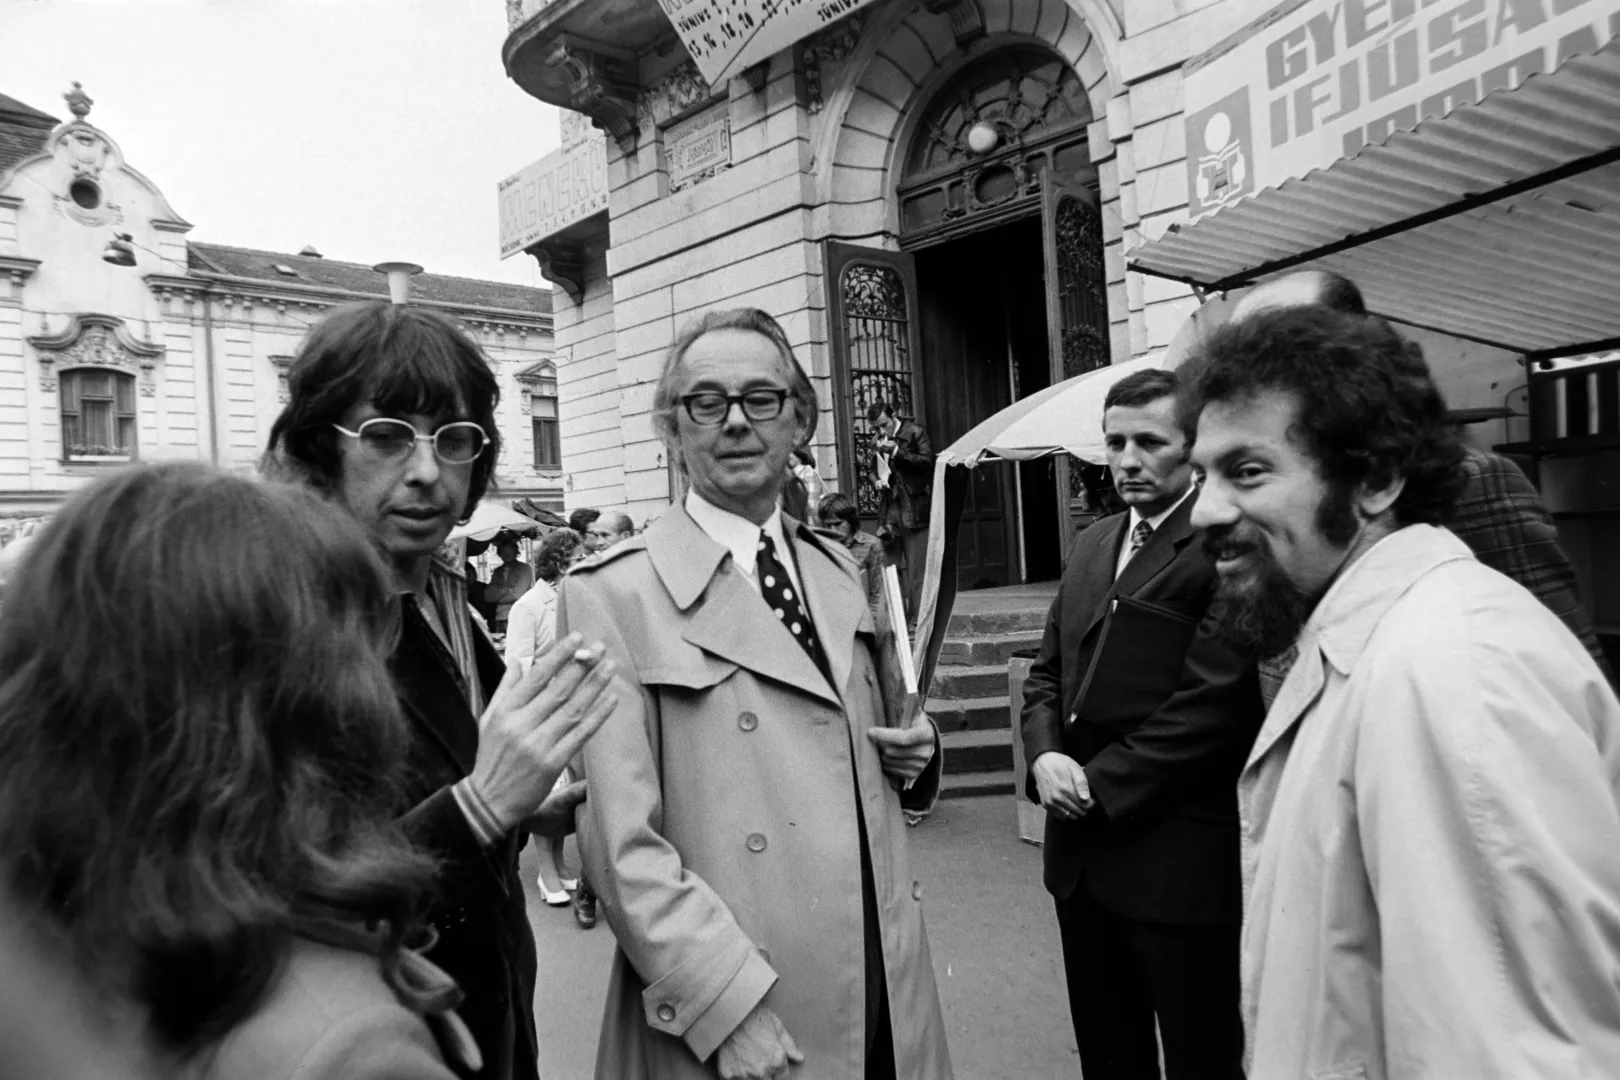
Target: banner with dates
[726,37]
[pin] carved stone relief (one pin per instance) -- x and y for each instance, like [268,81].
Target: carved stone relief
[674,94]
[101,341]
[283,365]
[832,46]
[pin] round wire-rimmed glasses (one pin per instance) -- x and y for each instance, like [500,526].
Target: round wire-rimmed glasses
[388,439]
[710,407]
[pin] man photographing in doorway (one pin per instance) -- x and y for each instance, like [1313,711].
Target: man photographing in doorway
[904,461]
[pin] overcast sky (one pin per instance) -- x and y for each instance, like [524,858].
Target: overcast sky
[373,129]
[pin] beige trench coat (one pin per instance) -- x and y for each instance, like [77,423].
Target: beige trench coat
[1431,850]
[720,830]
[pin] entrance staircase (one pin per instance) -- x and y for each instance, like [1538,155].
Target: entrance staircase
[968,697]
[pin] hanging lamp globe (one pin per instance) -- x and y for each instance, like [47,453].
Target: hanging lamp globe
[982,137]
[119,250]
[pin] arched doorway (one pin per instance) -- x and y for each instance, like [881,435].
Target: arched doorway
[998,289]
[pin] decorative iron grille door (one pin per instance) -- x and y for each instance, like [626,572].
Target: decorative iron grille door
[1076,303]
[872,295]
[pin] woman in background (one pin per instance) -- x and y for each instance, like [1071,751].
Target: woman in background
[530,630]
[198,765]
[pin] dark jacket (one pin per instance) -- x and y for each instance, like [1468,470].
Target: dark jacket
[484,939]
[1162,843]
[912,484]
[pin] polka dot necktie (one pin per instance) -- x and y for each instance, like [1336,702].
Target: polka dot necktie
[784,602]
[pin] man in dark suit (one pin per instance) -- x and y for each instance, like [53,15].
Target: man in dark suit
[908,458]
[1142,831]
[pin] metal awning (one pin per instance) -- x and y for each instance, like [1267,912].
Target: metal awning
[1498,222]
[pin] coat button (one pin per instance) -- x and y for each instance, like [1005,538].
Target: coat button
[756,842]
[916,890]
[666,1013]
[748,721]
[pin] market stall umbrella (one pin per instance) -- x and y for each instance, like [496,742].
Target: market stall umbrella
[491,518]
[1065,418]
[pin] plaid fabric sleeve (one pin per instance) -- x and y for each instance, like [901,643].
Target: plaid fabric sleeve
[1502,518]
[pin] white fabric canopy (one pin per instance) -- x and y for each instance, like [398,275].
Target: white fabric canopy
[491,518]
[1065,418]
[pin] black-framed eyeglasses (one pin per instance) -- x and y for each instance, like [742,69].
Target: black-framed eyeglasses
[710,407]
[388,439]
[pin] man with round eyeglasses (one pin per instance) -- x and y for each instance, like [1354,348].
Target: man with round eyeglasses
[391,411]
[745,832]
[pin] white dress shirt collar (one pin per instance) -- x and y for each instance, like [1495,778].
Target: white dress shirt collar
[1153,522]
[740,536]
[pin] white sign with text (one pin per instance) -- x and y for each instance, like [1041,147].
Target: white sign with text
[1314,81]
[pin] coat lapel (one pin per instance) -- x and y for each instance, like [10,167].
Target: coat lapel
[725,616]
[1159,552]
[837,604]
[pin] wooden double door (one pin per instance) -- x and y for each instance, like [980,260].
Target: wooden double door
[953,334]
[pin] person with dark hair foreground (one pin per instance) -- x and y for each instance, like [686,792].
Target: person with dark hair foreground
[581,521]
[392,412]
[211,845]
[1141,848]
[1431,841]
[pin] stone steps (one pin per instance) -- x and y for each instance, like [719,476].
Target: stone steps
[961,681]
[971,714]
[971,651]
[977,751]
[968,784]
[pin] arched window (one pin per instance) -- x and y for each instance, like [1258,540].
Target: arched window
[98,415]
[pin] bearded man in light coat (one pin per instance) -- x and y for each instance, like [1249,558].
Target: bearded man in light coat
[1431,811]
[745,828]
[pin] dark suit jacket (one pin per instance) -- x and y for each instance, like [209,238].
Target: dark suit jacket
[912,484]
[484,942]
[1161,845]
[1502,518]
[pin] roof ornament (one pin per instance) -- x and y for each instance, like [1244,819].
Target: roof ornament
[78,101]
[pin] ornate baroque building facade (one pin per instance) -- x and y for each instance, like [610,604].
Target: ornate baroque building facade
[180,349]
[939,199]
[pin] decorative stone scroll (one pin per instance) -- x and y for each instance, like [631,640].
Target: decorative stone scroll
[832,46]
[674,95]
[101,341]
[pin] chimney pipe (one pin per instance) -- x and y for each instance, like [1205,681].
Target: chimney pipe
[399,279]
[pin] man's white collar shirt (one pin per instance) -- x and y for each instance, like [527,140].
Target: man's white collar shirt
[1155,521]
[740,536]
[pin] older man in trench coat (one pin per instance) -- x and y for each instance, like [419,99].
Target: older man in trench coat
[744,829]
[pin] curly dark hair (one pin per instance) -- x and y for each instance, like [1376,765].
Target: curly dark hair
[202,742]
[582,519]
[401,358]
[556,554]
[1367,412]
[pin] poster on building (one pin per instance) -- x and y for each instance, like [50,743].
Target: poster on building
[565,186]
[1313,81]
[725,37]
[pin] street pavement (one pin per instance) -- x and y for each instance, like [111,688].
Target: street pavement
[990,925]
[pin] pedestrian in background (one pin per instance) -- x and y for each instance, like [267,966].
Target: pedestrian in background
[745,825]
[391,411]
[839,516]
[609,528]
[206,853]
[507,582]
[531,632]
[903,463]
[581,521]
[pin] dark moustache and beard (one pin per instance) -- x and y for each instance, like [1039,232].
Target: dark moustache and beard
[1260,612]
